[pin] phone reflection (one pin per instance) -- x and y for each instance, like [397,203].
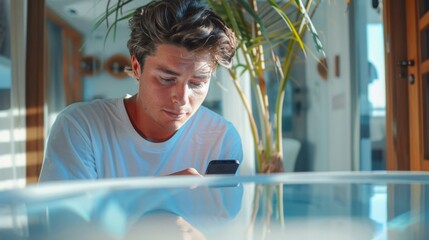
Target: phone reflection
[167,213]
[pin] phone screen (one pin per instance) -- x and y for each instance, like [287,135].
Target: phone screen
[222,167]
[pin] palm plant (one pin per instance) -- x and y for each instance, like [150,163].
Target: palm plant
[261,29]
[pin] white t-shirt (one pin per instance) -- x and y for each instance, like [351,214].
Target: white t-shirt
[97,140]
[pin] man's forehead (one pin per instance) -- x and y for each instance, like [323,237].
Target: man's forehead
[203,71]
[183,53]
[170,57]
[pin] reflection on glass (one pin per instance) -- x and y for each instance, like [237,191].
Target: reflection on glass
[125,213]
[424,7]
[334,206]
[426,114]
[424,44]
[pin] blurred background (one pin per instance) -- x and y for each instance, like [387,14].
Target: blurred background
[333,119]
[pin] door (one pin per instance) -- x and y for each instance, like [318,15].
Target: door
[417,15]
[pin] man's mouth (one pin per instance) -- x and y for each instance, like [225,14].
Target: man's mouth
[175,115]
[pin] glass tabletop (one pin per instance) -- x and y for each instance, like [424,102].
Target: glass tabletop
[331,205]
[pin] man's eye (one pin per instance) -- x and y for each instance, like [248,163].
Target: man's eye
[167,80]
[197,84]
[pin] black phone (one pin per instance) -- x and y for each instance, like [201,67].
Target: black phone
[222,167]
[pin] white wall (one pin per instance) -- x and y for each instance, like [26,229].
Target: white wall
[103,85]
[329,114]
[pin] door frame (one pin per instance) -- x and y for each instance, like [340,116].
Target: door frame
[37,79]
[35,75]
[397,112]
[404,115]
[416,104]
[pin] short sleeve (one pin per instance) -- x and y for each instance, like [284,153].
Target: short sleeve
[68,153]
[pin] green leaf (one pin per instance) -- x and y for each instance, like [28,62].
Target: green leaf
[313,30]
[110,10]
[255,16]
[289,23]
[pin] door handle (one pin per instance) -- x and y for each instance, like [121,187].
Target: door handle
[404,64]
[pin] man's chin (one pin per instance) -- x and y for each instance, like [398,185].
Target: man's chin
[175,125]
[172,125]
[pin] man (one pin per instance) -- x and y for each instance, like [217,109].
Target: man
[175,46]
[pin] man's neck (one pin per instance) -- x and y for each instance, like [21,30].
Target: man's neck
[138,123]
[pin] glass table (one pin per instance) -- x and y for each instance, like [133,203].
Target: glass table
[331,205]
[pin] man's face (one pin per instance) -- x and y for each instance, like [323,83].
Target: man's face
[172,86]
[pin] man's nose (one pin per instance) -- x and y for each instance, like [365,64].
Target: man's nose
[181,94]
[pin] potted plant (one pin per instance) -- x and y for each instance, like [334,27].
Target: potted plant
[261,28]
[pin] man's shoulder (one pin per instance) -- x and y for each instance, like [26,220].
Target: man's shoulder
[95,109]
[90,106]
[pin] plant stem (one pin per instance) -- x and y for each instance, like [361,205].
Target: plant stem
[246,104]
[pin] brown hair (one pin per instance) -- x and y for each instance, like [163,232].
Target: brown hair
[185,23]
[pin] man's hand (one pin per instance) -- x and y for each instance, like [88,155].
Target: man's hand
[188,171]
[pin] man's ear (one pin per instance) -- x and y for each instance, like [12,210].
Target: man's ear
[135,65]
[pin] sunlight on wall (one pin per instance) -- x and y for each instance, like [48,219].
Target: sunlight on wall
[12,118]
[12,160]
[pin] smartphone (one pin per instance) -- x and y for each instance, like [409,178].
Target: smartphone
[222,167]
